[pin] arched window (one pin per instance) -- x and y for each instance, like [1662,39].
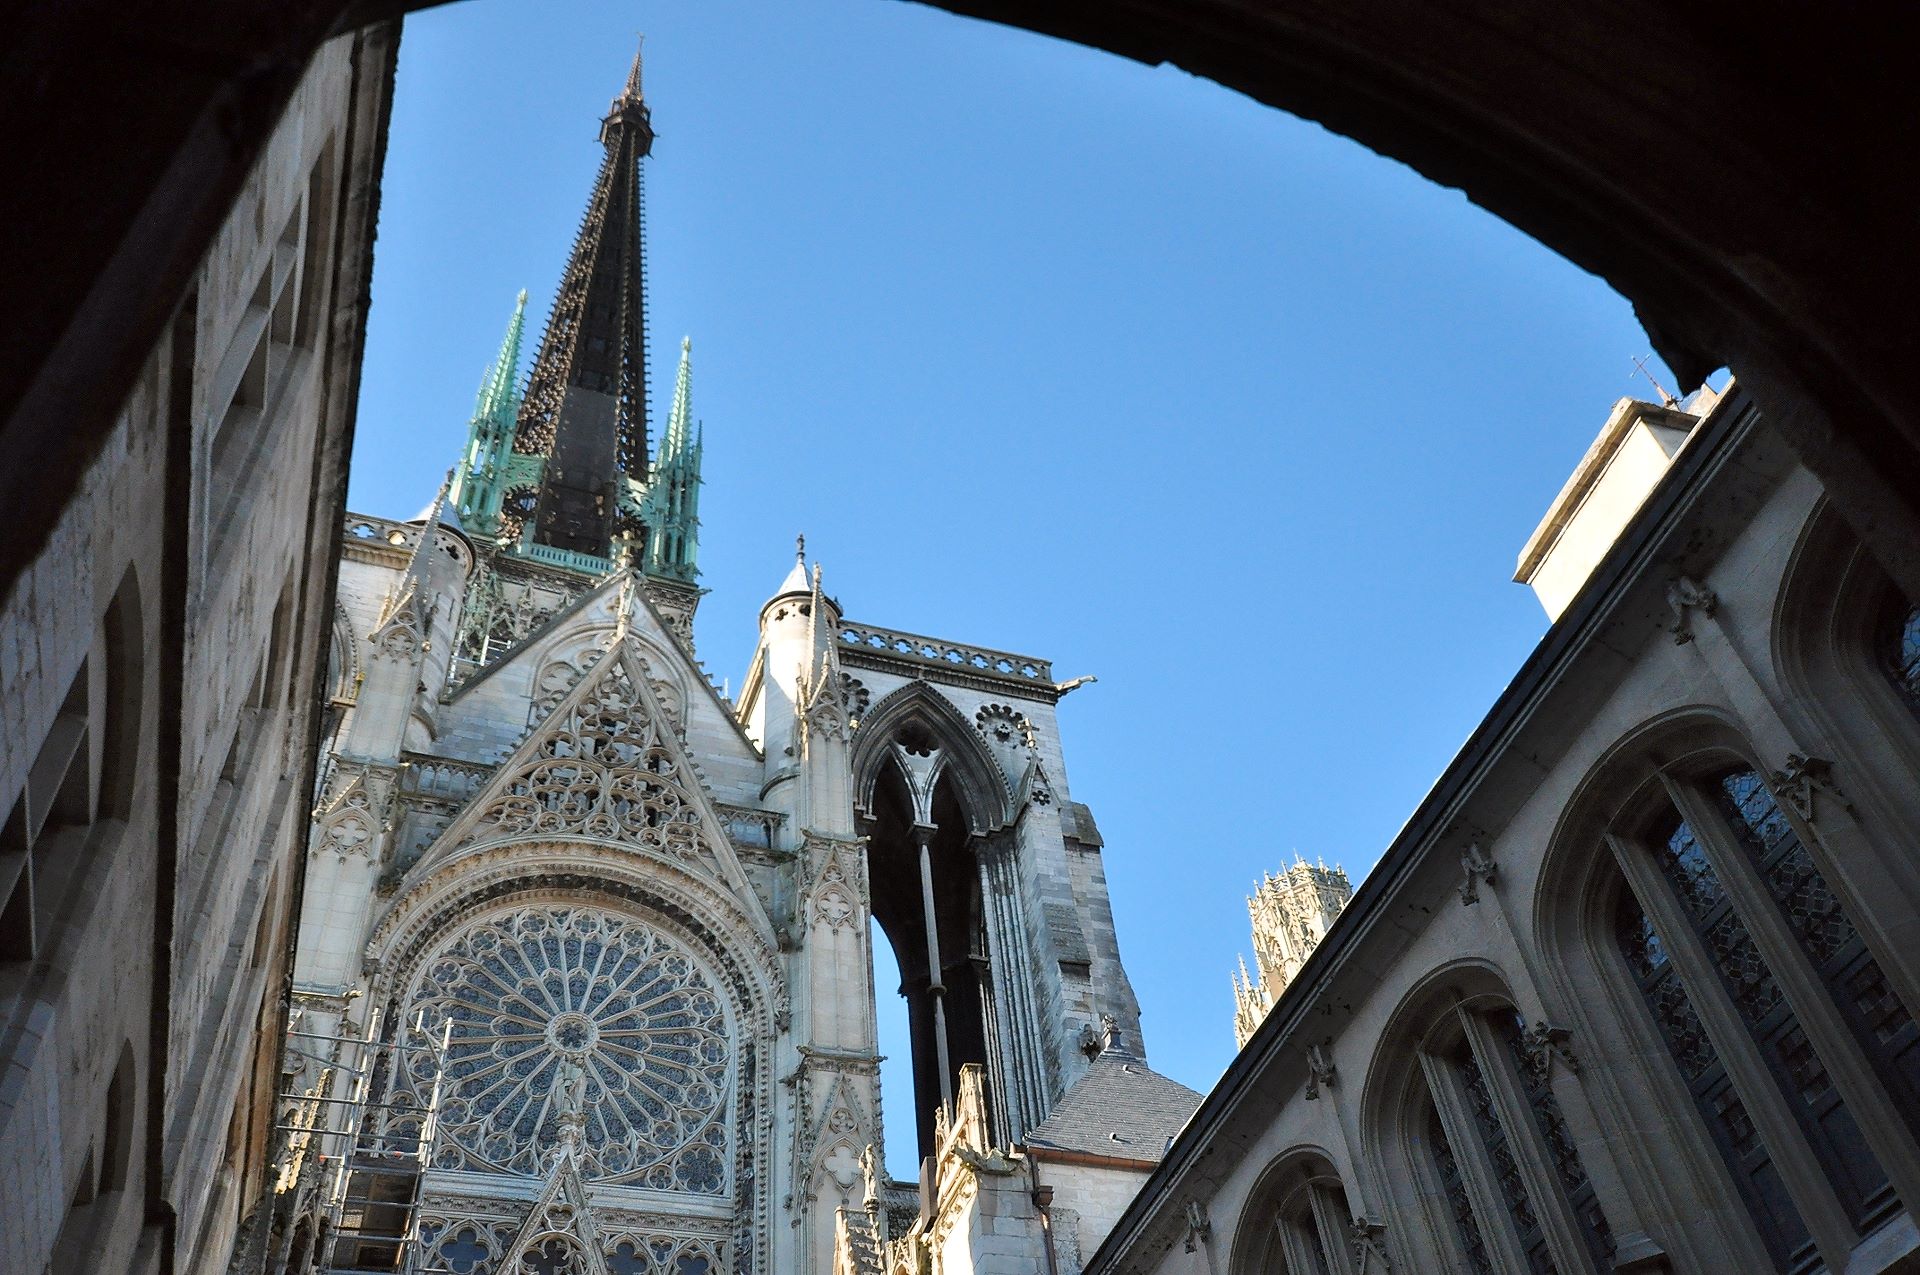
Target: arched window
[1312,1228]
[1501,1152]
[1722,898]
[1296,1221]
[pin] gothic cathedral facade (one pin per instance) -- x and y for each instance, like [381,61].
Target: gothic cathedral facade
[585,980]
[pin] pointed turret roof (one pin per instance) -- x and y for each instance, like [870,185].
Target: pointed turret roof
[585,410]
[797,580]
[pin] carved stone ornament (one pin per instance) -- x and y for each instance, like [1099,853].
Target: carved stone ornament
[1199,1226]
[1546,1044]
[1320,1071]
[1369,1246]
[1095,1040]
[825,704]
[854,697]
[1804,782]
[1476,867]
[1005,727]
[1685,595]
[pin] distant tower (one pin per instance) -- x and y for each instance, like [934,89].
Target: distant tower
[1291,913]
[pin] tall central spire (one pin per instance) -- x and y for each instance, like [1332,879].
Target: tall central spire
[584,414]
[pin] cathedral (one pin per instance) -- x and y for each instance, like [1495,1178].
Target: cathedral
[585,978]
[452,921]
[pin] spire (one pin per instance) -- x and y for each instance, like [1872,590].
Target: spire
[671,511]
[632,91]
[583,423]
[676,440]
[477,480]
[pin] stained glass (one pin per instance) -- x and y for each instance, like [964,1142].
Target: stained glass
[1903,655]
[1466,1226]
[530,990]
[1536,1087]
[1506,1170]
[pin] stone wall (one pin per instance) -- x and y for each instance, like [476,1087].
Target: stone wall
[158,668]
[1480,977]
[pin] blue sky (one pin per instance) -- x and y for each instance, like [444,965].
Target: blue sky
[1048,351]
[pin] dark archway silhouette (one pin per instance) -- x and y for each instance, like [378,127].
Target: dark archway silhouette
[1740,181]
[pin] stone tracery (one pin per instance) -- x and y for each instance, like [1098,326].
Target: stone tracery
[540,990]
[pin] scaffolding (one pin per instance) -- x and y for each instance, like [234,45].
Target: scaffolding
[365,1152]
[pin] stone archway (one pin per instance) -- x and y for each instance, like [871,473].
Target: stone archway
[1729,178]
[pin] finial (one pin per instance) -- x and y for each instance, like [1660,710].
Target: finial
[633,76]
[686,345]
[1666,398]
[800,547]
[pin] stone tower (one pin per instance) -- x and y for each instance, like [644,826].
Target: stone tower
[586,944]
[1291,913]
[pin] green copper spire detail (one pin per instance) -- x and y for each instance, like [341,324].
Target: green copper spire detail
[479,479]
[673,489]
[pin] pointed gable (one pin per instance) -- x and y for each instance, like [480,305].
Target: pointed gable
[551,659]
[606,764]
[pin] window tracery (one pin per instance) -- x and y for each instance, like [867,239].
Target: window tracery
[1750,982]
[1881,1023]
[1506,1169]
[1312,1224]
[1544,1108]
[1781,1227]
[1506,1161]
[1453,1185]
[539,989]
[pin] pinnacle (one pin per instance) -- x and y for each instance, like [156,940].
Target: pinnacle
[632,89]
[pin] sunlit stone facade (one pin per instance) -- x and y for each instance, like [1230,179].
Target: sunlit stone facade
[1633,989]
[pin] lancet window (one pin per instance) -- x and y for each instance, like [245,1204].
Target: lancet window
[1312,1228]
[1505,1161]
[1723,979]
[1453,1185]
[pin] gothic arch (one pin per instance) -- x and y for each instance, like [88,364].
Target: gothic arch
[934,806]
[1280,1195]
[493,870]
[1394,1102]
[986,797]
[1598,873]
[1831,626]
[1583,988]
[344,671]
[502,875]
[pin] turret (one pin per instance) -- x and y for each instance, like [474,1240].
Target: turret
[786,653]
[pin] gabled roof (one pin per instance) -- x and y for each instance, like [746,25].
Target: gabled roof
[1121,1109]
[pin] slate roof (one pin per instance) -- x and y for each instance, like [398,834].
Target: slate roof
[1120,1108]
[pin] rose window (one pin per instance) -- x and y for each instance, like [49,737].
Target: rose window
[536,990]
